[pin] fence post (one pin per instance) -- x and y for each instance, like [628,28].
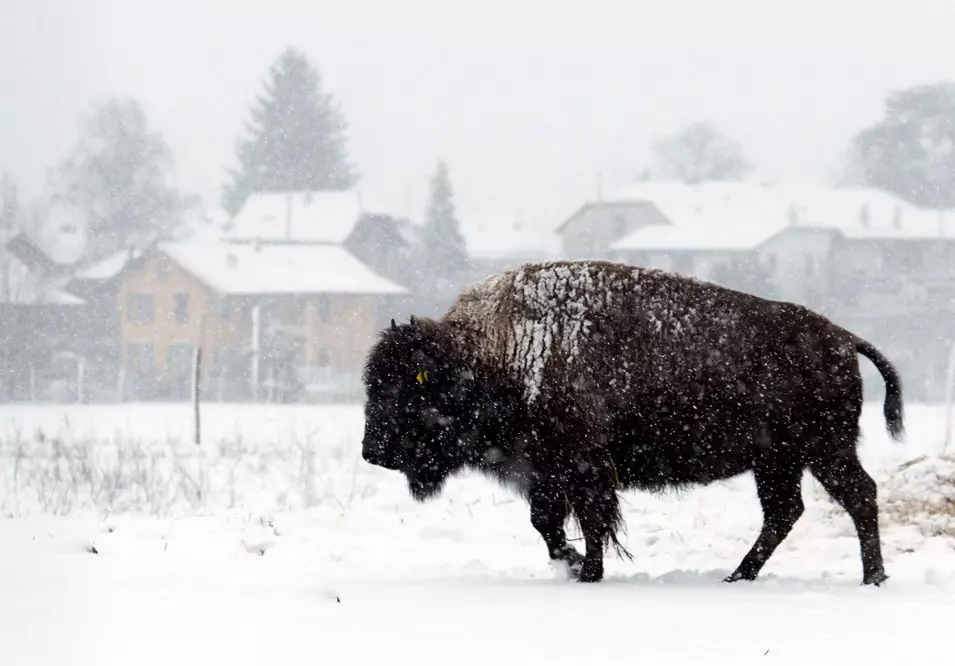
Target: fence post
[196,365]
[80,375]
[949,397]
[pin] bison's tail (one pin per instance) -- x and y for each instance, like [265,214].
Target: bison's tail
[892,408]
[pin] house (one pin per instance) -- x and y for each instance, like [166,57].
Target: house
[345,218]
[45,329]
[285,296]
[497,242]
[865,258]
[788,233]
[593,229]
[257,310]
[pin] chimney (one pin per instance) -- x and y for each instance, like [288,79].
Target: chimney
[792,214]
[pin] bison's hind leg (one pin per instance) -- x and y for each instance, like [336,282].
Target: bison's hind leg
[597,507]
[779,486]
[549,510]
[848,484]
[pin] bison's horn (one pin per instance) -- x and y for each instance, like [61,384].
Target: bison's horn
[394,326]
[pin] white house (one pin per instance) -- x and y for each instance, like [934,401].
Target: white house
[496,242]
[805,238]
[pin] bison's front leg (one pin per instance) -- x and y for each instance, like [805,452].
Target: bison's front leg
[549,510]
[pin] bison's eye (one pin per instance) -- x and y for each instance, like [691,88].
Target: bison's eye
[422,376]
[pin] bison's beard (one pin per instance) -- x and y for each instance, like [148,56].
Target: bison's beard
[424,488]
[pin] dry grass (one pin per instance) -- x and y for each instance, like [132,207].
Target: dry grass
[921,493]
[918,493]
[63,474]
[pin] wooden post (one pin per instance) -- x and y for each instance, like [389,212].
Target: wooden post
[256,332]
[80,368]
[949,397]
[121,384]
[196,366]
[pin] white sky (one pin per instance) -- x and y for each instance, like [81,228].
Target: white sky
[527,100]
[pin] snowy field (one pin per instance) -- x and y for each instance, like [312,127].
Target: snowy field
[273,543]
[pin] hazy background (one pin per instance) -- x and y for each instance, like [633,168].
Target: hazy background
[529,102]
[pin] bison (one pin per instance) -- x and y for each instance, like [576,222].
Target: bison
[569,381]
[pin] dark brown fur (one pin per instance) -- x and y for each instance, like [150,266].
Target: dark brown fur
[572,380]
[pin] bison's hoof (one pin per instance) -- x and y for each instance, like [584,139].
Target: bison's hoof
[875,579]
[569,563]
[737,576]
[573,558]
[591,572]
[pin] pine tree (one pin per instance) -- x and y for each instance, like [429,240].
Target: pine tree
[296,137]
[442,244]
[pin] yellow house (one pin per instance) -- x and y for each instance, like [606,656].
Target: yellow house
[234,300]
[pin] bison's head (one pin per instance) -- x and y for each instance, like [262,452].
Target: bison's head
[418,412]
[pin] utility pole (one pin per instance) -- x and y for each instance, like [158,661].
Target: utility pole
[8,214]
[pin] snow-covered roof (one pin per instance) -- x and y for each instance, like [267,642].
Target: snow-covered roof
[742,215]
[32,288]
[245,268]
[306,217]
[490,237]
[695,238]
[104,269]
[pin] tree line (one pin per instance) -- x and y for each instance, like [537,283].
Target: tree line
[119,171]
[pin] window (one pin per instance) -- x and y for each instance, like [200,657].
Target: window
[682,262]
[179,359]
[182,307]
[322,358]
[162,269]
[640,259]
[299,347]
[619,227]
[323,308]
[140,308]
[225,309]
[140,359]
[296,314]
[771,264]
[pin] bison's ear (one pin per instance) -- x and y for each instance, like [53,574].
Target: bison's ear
[414,321]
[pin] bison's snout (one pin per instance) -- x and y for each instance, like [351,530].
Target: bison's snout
[374,454]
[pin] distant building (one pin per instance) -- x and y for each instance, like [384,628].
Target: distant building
[261,312]
[46,332]
[869,260]
[283,299]
[591,231]
[494,243]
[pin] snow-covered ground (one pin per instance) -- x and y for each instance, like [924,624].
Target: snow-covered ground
[273,543]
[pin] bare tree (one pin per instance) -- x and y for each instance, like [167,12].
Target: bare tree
[699,153]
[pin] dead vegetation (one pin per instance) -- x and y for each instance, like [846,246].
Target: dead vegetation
[64,474]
